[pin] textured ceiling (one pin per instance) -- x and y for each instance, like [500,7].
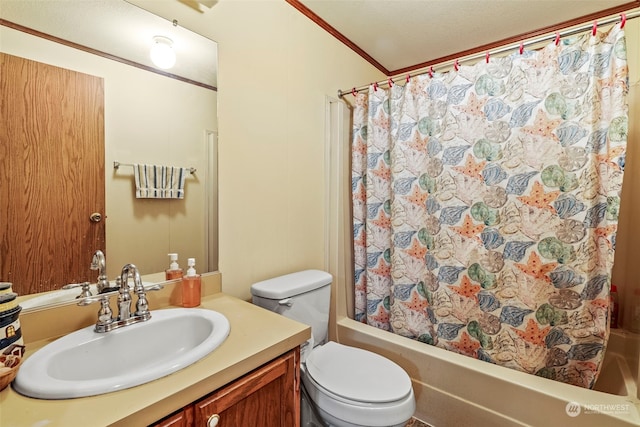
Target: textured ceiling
[399,34]
[394,35]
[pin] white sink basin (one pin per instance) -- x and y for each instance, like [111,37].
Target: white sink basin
[87,363]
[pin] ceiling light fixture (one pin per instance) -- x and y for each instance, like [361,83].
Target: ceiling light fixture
[162,53]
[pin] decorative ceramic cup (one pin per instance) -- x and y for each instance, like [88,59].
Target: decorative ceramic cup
[10,331]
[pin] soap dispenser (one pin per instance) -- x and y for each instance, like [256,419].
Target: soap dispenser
[174,271]
[191,286]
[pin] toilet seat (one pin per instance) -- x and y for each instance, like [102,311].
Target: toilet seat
[348,395]
[357,375]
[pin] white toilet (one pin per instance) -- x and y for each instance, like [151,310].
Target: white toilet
[348,386]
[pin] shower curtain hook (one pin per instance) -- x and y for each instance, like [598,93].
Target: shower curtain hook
[390,82]
[456,66]
[354,92]
[521,48]
[375,86]
[595,28]
[408,77]
[557,38]
[623,20]
[486,57]
[431,71]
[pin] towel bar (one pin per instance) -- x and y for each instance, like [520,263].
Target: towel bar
[117,165]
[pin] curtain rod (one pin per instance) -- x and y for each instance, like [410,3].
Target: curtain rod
[566,33]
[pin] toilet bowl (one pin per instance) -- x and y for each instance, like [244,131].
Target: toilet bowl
[351,387]
[346,386]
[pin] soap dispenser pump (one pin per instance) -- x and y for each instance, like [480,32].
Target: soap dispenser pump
[191,286]
[174,271]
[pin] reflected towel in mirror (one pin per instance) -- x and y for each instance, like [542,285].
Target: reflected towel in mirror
[159,182]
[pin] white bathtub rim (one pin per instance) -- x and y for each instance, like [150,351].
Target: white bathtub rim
[538,386]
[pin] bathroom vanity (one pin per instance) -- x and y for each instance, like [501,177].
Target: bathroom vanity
[267,397]
[255,371]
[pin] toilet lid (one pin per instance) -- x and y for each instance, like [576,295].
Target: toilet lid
[357,374]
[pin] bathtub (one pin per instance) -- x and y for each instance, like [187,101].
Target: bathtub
[455,390]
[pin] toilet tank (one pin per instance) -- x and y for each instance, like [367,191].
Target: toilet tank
[303,296]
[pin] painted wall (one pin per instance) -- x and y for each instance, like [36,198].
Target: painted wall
[275,69]
[145,122]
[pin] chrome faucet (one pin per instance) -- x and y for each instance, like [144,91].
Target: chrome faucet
[99,262]
[124,299]
[106,321]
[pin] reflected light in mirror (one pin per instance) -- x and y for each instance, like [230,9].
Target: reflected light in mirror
[162,53]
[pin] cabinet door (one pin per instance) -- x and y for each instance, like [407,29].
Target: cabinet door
[183,418]
[266,397]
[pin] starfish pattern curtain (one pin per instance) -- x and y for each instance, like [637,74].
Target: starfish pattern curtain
[485,205]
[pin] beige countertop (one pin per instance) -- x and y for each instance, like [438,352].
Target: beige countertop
[256,337]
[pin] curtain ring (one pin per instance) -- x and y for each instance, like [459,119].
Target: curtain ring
[354,92]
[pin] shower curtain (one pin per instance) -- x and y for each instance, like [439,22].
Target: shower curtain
[485,205]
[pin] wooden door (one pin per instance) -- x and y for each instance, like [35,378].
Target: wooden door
[266,397]
[51,174]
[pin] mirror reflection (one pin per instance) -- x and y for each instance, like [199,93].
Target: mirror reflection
[150,116]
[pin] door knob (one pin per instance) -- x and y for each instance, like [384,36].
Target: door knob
[95,217]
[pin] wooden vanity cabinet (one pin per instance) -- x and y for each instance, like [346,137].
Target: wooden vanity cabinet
[269,396]
[182,418]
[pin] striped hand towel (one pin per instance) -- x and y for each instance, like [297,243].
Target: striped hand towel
[159,182]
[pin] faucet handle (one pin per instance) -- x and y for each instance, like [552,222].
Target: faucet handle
[105,314]
[142,305]
[86,289]
[73,285]
[91,299]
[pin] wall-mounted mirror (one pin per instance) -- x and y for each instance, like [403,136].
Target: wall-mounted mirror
[151,116]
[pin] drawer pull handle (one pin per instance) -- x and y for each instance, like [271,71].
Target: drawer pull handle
[213,420]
